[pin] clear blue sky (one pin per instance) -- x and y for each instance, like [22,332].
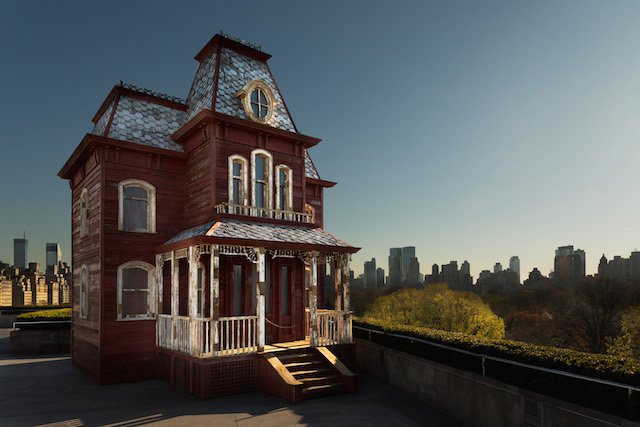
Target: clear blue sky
[471,130]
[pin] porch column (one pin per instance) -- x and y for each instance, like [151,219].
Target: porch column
[313,301]
[192,300]
[174,298]
[345,296]
[337,280]
[214,290]
[260,298]
[174,284]
[159,288]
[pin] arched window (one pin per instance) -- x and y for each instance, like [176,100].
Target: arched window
[238,192]
[136,206]
[84,213]
[261,173]
[135,284]
[311,211]
[84,291]
[284,188]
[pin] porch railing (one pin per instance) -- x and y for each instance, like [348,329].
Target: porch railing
[229,208]
[238,335]
[334,327]
[193,335]
[190,335]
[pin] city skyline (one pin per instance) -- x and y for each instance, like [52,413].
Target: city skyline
[488,130]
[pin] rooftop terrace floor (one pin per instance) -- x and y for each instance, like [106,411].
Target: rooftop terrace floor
[49,391]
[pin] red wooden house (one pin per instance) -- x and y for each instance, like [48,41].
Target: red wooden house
[197,240]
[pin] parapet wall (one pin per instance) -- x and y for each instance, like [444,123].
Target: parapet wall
[474,399]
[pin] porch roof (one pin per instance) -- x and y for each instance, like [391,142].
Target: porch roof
[241,233]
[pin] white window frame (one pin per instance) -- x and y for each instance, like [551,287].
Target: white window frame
[151,205]
[268,177]
[289,188]
[236,158]
[84,213]
[150,269]
[244,95]
[84,292]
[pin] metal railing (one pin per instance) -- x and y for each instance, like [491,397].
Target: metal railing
[536,378]
[229,208]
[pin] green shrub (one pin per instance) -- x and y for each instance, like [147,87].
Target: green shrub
[57,314]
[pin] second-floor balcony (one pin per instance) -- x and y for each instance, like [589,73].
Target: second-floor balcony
[229,208]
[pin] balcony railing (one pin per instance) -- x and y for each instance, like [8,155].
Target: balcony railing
[228,208]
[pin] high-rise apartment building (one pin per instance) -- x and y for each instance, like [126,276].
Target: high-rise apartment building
[568,266]
[408,252]
[21,253]
[497,268]
[395,266]
[370,273]
[514,265]
[380,277]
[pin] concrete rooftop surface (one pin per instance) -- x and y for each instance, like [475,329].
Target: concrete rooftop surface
[48,391]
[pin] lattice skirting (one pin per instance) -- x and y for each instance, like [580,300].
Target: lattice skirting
[208,378]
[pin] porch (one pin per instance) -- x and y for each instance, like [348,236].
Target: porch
[247,298]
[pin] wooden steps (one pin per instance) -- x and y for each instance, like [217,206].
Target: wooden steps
[312,373]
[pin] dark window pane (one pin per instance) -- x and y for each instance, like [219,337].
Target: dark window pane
[135,278]
[281,203]
[135,192]
[263,112]
[283,178]
[256,109]
[236,191]
[135,214]
[254,95]
[259,195]
[237,290]
[284,287]
[263,99]
[267,289]
[236,169]
[260,163]
[134,302]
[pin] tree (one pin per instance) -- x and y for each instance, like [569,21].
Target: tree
[627,344]
[438,307]
[593,313]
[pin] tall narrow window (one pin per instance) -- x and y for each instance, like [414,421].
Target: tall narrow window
[237,289]
[267,288]
[284,190]
[260,182]
[135,280]
[262,172]
[284,288]
[237,183]
[137,206]
[84,291]
[84,213]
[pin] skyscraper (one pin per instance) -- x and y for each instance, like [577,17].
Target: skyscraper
[370,273]
[395,267]
[568,266]
[514,265]
[408,252]
[54,254]
[21,253]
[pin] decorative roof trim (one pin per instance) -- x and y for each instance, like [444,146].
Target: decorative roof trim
[222,41]
[152,93]
[237,40]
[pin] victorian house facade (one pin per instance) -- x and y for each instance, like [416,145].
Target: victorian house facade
[198,241]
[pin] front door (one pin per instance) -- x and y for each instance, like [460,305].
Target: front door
[285,308]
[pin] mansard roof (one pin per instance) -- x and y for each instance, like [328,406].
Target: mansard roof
[241,233]
[145,117]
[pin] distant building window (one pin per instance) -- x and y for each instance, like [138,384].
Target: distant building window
[84,213]
[238,182]
[137,206]
[84,291]
[135,282]
[261,171]
[258,100]
[284,188]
